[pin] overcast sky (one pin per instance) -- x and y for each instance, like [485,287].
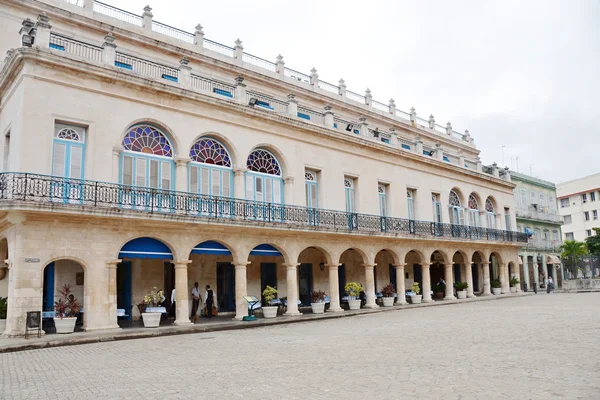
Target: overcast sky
[519,74]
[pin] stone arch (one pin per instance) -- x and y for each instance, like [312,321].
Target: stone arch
[420,255]
[328,259]
[395,256]
[478,199]
[228,144]
[234,251]
[362,253]
[492,199]
[173,248]
[497,255]
[283,162]
[478,257]
[444,254]
[284,253]
[461,257]
[460,194]
[163,127]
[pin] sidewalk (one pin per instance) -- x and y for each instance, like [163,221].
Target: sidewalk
[217,324]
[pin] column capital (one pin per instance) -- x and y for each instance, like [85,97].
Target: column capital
[426,265]
[400,265]
[486,262]
[448,265]
[288,179]
[291,266]
[332,266]
[117,150]
[112,263]
[182,161]
[241,265]
[182,263]
[239,171]
[369,266]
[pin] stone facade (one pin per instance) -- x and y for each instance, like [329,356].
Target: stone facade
[72,100]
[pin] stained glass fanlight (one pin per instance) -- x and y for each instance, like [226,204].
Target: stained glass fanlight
[489,206]
[263,161]
[454,200]
[473,203]
[209,151]
[68,134]
[148,140]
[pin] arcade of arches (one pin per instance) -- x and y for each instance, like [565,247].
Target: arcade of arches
[111,271]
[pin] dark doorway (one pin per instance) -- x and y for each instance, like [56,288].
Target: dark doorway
[305,283]
[48,304]
[268,276]
[457,277]
[393,276]
[124,288]
[169,275]
[418,275]
[225,286]
[342,280]
[476,283]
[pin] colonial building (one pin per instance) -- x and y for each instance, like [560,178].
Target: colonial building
[538,217]
[137,155]
[579,206]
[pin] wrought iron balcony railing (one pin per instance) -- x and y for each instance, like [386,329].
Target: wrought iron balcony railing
[532,213]
[74,192]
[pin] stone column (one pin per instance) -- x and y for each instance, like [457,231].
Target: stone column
[525,270]
[334,288]
[545,269]
[181,182]
[239,186]
[238,51]
[535,274]
[469,279]
[502,274]
[449,277]
[480,268]
[241,290]
[280,65]
[292,290]
[115,163]
[288,190]
[111,266]
[370,285]
[182,312]
[400,283]
[486,279]
[426,289]
[329,120]
[517,275]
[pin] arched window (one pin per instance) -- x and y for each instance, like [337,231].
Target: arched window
[68,151]
[312,189]
[147,159]
[457,213]
[533,196]
[210,168]
[473,211]
[490,214]
[523,198]
[555,235]
[546,234]
[263,179]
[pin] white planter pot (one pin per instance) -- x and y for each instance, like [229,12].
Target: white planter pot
[513,289]
[388,301]
[65,325]
[496,291]
[461,294]
[354,304]
[151,319]
[270,312]
[416,298]
[318,308]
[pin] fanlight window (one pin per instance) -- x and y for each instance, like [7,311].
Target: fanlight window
[489,206]
[148,140]
[69,134]
[310,176]
[348,183]
[209,151]
[454,200]
[264,162]
[473,203]
[381,189]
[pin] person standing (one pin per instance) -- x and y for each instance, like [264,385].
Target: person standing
[195,301]
[550,284]
[172,310]
[209,298]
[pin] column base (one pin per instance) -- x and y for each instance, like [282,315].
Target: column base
[335,310]
[471,296]
[486,294]
[103,328]
[449,298]
[182,323]
[371,306]
[427,301]
[292,314]
[401,303]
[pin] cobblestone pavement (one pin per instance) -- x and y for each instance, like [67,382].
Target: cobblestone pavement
[535,347]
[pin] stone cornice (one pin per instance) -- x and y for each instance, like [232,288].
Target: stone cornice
[101,71]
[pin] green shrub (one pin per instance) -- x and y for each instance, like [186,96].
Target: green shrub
[269,294]
[514,282]
[461,286]
[496,284]
[353,289]
[416,288]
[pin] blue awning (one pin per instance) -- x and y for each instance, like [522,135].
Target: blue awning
[146,248]
[210,247]
[265,250]
[529,231]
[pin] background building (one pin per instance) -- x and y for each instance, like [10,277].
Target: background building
[138,155]
[579,205]
[538,216]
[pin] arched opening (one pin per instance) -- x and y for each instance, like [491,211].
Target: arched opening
[351,270]
[413,271]
[496,277]
[513,273]
[210,169]
[313,274]
[57,276]
[267,269]
[490,213]
[460,263]
[477,269]
[473,211]
[146,264]
[437,275]
[264,182]
[385,273]
[212,266]
[455,208]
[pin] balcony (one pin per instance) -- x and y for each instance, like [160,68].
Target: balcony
[544,244]
[23,188]
[538,215]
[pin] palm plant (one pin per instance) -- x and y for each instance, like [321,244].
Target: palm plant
[572,250]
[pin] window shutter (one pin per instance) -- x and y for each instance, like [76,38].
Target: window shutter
[461,216]
[58,163]
[277,191]
[76,162]
[140,172]
[249,187]
[216,182]
[226,184]
[204,181]
[258,188]
[166,175]
[193,179]
[268,190]
[313,196]
[154,174]
[127,170]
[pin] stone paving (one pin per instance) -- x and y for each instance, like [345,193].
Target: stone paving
[530,347]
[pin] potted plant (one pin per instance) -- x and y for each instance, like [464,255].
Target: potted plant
[269,294]
[3,307]
[461,289]
[317,301]
[388,292]
[439,290]
[154,298]
[514,282]
[353,290]
[496,287]
[66,309]
[415,296]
